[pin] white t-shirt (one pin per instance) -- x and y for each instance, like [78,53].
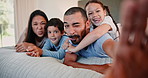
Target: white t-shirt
[113,33]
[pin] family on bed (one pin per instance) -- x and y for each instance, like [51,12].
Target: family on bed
[92,32]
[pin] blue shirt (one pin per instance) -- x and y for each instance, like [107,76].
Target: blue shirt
[95,49]
[50,50]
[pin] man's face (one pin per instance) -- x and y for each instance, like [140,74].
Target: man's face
[75,27]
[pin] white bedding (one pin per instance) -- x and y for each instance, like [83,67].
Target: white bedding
[19,65]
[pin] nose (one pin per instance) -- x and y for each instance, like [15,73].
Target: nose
[39,26]
[95,14]
[71,30]
[52,34]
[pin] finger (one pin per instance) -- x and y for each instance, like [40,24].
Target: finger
[30,48]
[127,20]
[29,53]
[38,54]
[18,45]
[141,22]
[33,54]
[20,49]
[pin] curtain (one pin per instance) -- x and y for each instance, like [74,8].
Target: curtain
[22,11]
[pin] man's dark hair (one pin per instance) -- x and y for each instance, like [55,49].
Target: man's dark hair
[74,10]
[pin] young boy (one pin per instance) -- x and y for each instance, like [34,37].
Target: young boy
[53,46]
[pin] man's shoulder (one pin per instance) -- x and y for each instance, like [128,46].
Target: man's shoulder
[103,38]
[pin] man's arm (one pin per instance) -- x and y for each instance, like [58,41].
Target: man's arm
[132,52]
[109,46]
[70,60]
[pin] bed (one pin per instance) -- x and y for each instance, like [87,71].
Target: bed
[19,65]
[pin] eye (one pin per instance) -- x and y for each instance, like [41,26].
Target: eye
[66,26]
[76,25]
[97,10]
[55,31]
[49,32]
[35,24]
[90,13]
[43,23]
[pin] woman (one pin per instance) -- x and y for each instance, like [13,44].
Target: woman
[35,32]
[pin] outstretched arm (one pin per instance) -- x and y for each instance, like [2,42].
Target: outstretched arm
[70,60]
[91,37]
[132,52]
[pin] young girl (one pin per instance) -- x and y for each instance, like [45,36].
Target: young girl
[101,24]
[53,46]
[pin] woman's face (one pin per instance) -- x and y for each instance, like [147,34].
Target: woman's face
[38,25]
[95,13]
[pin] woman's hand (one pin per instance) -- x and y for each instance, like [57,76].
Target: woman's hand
[23,46]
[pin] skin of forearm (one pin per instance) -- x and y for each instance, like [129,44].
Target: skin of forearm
[93,36]
[109,47]
[98,68]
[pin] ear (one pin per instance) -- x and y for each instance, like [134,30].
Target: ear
[105,12]
[87,26]
[63,33]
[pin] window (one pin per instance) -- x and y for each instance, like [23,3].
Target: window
[7,37]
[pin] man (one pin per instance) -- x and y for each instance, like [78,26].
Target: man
[76,26]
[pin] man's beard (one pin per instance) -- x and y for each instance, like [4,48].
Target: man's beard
[74,36]
[78,37]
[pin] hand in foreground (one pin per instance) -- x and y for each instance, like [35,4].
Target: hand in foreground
[34,51]
[132,52]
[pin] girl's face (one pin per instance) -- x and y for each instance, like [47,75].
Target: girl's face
[38,24]
[54,34]
[95,13]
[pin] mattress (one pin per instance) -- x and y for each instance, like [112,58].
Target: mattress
[19,65]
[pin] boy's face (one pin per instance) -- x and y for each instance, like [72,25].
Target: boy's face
[54,34]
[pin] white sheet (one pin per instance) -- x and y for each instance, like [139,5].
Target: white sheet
[19,65]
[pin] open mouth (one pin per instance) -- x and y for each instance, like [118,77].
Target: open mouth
[73,38]
[96,20]
[52,39]
[40,32]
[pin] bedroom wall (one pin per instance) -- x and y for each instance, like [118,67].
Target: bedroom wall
[55,8]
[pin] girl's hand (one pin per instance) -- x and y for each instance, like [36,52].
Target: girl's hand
[71,49]
[66,44]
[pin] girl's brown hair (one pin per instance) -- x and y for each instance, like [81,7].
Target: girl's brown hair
[104,8]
